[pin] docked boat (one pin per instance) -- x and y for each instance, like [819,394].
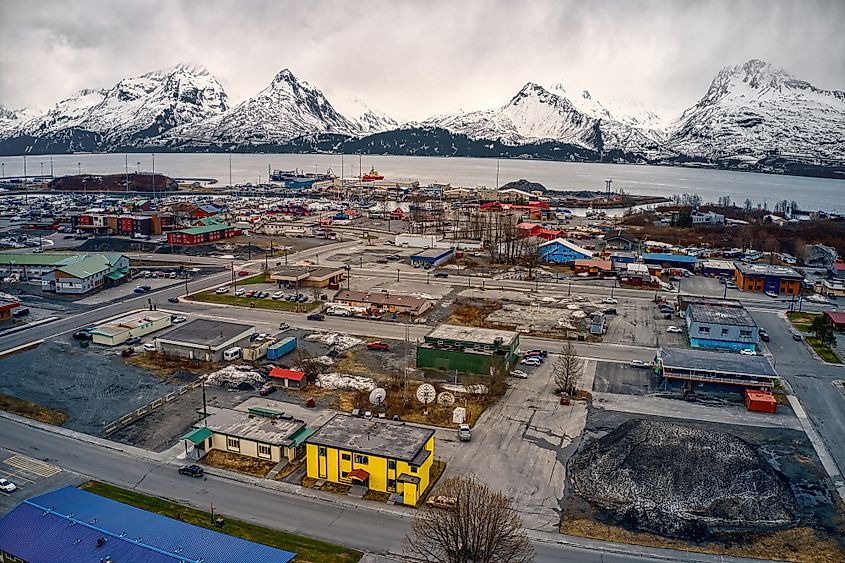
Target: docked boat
[372,175]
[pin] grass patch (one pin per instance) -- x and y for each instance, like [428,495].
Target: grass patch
[823,350]
[308,482]
[32,410]
[801,321]
[260,278]
[474,314]
[338,488]
[306,549]
[802,545]
[274,305]
[376,496]
[236,462]
[289,468]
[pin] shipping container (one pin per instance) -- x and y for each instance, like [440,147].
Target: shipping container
[760,401]
[281,348]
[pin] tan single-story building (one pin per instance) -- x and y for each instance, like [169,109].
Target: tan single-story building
[384,302]
[204,339]
[307,276]
[140,324]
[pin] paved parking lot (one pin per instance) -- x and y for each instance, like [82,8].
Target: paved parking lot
[32,477]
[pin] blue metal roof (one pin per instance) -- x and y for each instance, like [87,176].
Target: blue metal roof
[65,524]
[663,257]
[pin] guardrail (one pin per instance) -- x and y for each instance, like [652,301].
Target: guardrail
[141,412]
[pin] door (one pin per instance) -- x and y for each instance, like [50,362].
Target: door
[391,475]
[322,464]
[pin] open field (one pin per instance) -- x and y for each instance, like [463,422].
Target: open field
[272,304]
[306,549]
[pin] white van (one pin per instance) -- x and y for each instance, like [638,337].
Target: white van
[232,354]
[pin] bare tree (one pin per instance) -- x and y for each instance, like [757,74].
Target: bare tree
[747,204]
[309,364]
[567,369]
[479,527]
[531,258]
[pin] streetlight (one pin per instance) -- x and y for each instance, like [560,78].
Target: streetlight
[79,169]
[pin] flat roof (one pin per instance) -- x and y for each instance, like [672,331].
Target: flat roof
[718,264]
[384,438]
[433,253]
[700,299]
[665,257]
[767,270]
[239,424]
[471,334]
[128,323]
[205,332]
[381,298]
[720,314]
[203,230]
[716,362]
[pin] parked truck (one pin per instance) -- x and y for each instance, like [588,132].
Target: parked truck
[279,349]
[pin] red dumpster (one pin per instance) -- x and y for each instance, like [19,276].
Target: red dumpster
[760,401]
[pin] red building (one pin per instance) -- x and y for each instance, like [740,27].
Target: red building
[202,235]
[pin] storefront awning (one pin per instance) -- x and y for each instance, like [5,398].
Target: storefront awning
[358,475]
[197,435]
[115,276]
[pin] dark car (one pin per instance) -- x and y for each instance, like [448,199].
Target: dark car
[764,337]
[381,261]
[441,275]
[266,390]
[132,340]
[173,300]
[82,335]
[538,353]
[609,311]
[796,336]
[192,470]
[316,317]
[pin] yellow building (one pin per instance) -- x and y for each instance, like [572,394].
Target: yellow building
[385,456]
[118,332]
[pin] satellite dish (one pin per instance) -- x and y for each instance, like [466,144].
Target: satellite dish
[426,393]
[445,399]
[377,396]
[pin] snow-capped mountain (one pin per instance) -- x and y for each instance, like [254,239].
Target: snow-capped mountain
[368,119]
[286,109]
[135,108]
[537,114]
[756,110]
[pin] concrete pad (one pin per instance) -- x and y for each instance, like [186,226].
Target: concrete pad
[676,408]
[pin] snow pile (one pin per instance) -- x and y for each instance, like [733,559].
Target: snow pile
[240,377]
[478,389]
[683,482]
[339,342]
[345,381]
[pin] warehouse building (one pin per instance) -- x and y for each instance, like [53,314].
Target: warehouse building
[260,432]
[202,235]
[384,456]
[71,524]
[720,325]
[468,349]
[666,260]
[433,257]
[768,278]
[385,303]
[67,273]
[203,339]
[693,367]
[118,332]
[294,277]
[561,251]
[718,269]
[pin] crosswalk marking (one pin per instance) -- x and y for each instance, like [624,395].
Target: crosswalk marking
[32,465]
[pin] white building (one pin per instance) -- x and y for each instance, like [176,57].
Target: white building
[708,218]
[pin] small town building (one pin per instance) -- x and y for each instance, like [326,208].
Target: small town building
[67,273]
[384,302]
[254,351]
[692,367]
[562,251]
[381,455]
[836,319]
[468,349]
[593,267]
[202,235]
[720,325]
[667,260]
[767,278]
[140,324]
[411,240]
[820,256]
[620,240]
[831,288]
[708,218]
[204,339]
[433,257]
[260,432]
[837,270]
[6,307]
[298,277]
[289,378]
[620,259]
[718,268]
[70,524]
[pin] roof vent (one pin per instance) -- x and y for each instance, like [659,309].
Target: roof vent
[101,541]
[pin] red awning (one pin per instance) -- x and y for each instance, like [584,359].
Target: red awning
[281,373]
[358,475]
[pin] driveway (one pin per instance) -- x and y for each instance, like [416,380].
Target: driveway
[521,444]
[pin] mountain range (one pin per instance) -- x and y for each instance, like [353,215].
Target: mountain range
[753,116]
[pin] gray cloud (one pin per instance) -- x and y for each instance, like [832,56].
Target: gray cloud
[415,59]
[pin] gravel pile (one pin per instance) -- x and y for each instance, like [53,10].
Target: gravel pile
[682,482]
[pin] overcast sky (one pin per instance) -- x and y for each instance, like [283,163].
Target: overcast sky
[416,59]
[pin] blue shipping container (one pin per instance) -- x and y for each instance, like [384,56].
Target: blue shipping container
[279,349]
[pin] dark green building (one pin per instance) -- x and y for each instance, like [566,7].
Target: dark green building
[467,349]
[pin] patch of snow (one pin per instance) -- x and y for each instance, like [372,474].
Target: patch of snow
[345,381]
[339,342]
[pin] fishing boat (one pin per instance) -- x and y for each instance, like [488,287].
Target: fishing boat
[372,175]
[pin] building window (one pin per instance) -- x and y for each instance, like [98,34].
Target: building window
[413,469]
[263,450]
[391,464]
[345,457]
[321,450]
[233,444]
[704,330]
[724,332]
[361,459]
[745,333]
[391,484]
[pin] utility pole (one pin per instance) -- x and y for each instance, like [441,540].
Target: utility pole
[154,176]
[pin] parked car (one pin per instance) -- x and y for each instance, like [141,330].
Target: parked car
[730,285]
[464,433]
[796,336]
[82,335]
[531,361]
[638,364]
[675,329]
[266,390]
[393,257]
[149,347]
[278,295]
[316,317]
[765,337]
[611,300]
[377,346]
[772,294]
[243,273]
[441,275]
[519,374]
[139,289]
[192,470]
[609,311]
[221,290]
[747,352]
[173,300]
[536,352]
[132,340]
[240,291]
[250,293]
[284,326]
[176,319]
[7,486]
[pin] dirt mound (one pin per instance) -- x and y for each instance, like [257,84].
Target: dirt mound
[682,482]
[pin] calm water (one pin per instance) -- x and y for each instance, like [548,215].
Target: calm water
[810,193]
